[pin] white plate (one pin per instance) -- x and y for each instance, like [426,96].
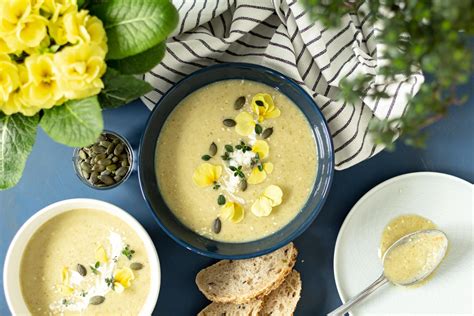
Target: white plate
[448,202]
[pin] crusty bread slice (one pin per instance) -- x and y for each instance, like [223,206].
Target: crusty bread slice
[251,308]
[239,281]
[283,301]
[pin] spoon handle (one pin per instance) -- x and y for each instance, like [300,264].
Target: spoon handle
[341,310]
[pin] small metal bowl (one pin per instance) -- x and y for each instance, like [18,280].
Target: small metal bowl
[131,160]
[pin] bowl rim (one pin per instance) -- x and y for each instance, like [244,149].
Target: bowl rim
[314,213]
[42,216]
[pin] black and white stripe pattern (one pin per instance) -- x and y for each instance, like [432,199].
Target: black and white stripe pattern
[280,35]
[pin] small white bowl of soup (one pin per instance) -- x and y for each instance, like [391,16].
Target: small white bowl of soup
[81,256]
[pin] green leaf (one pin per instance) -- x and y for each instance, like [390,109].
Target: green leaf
[141,63]
[134,26]
[121,89]
[17,137]
[76,123]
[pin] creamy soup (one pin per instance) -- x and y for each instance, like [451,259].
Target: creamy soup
[85,262]
[236,161]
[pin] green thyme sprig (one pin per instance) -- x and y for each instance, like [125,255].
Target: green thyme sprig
[237,171]
[95,267]
[128,252]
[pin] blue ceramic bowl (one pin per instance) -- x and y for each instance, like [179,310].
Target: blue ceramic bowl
[149,184]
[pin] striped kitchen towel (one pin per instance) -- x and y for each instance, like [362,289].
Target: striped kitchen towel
[279,34]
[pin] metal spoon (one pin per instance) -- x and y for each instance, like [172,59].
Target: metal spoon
[382,280]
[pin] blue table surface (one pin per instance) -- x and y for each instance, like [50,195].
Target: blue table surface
[49,177]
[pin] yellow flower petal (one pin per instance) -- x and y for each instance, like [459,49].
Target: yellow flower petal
[261,148]
[262,104]
[66,289]
[124,277]
[256,176]
[245,124]
[232,211]
[262,206]
[206,174]
[118,287]
[268,167]
[65,276]
[101,254]
[274,193]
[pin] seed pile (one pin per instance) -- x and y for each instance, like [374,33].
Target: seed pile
[104,163]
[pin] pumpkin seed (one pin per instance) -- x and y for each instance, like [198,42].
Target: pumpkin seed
[239,103]
[216,226]
[115,159]
[94,177]
[85,166]
[229,122]
[243,185]
[81,269]
[105,143]
[96,300]
[108,180]
[136,266]
[110,156]
[118,149]
[102,137]
[82,154]
[105,173]
[213,149]
[206,157]
[110,148]
[98,168]
[221,200]
[111,167]
[258,129]
[104,162]
[124,163]
[98,149]
[259,103]
[267,132]
[85,174]
[117,178]
[121,171]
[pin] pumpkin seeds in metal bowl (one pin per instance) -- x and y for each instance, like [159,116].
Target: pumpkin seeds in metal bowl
[106,163]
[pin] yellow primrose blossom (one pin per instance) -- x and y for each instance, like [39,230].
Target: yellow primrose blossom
[81,68]
[9,78]
[258,176]
[206,174]
[43,90]
[58,7]
[262,105]
[271,197]
[245,124]
[4,48]
[232,211]
[57,31]
[12,13]
[123,279]
[261,148]
[32,31]
[101,254]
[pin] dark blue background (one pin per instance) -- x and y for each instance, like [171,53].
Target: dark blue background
[49,177]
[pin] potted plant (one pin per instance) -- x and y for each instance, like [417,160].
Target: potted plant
[63,61]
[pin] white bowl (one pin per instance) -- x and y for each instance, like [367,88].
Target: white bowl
[11,271]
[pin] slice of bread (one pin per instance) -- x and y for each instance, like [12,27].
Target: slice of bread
[228,309]
[283,301]
[240,281]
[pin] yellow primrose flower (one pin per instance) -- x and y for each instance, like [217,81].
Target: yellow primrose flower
[12,13]
[57,8]
[271,197]
[232,211]
[245,124]
[83,28]
[81,68]
[57,31]
[262,105]
[43,90]
[96,32]
[101,254]
[261,148]
[4,48]
[123,279]
[32,31]
[258,176]
[206,174]
[9,78]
